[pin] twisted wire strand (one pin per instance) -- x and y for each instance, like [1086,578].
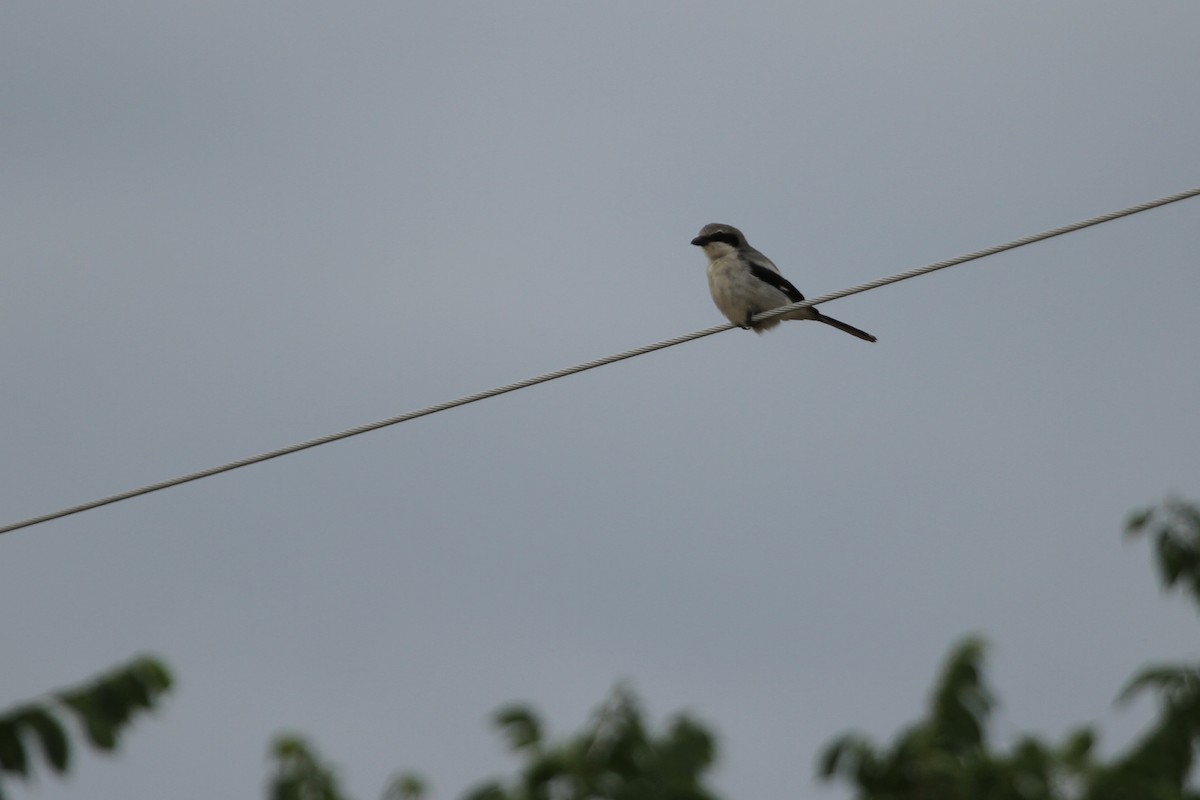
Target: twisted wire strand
[587,365]
[989,251]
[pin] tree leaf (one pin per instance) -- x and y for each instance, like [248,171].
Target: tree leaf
[1138,520]
[12,750]
[520,726]
[488,791]
[1173,680]
[405,786]
[50,735]
[1077,750]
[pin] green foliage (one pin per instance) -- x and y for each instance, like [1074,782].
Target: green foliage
[961,702]
[104,707]
[1159,764]
[615,756]
[405,786]
[1175,527]
[947,757]
[299,773]
[520,726]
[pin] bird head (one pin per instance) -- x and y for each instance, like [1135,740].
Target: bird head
[717,239]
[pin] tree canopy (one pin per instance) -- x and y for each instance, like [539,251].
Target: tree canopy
[949,754]
[103,707]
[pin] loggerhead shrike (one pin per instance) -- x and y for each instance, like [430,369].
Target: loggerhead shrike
[744,282]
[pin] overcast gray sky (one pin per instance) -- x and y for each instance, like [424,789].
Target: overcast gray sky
[228,227]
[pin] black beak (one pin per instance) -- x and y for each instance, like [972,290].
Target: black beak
[700,241]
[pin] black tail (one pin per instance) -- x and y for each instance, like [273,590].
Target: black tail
[841,326]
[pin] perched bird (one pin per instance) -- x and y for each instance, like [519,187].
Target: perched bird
[744,282]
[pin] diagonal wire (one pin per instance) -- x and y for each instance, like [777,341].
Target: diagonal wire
[599,362]
[990,251]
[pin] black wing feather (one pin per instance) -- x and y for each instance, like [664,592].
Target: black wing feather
[770,276]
